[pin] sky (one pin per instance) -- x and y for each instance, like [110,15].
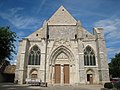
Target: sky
[26,16]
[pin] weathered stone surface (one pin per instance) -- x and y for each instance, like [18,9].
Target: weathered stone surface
[66,41]
[62,17]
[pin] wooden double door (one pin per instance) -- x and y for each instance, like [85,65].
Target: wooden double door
[62,74]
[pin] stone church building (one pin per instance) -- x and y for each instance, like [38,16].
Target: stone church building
[62,52]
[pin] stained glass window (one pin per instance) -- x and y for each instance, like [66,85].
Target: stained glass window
[34,56]
[89,57]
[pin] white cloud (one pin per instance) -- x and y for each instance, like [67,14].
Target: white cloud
[21,34]
[111,52]
[19,20]
[40,6]
[13,62]
[15,10]
[80,12]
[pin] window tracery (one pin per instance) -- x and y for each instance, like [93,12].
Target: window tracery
[89,57]
[34,56]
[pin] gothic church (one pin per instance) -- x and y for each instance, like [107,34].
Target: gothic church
[63,52]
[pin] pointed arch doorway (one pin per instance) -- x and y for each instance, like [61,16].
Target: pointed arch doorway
[61,66]
[61,70]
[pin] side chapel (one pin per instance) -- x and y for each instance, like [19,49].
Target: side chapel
[63,52]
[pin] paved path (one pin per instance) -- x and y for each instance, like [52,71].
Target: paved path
[10,86]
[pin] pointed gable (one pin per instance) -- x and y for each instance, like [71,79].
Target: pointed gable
[62,17]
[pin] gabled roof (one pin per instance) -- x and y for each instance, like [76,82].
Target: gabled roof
[37,34]
[62,17]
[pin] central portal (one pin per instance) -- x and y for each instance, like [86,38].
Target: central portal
[61,73]
[61,67]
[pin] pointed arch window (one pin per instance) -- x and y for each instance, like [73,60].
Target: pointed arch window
[89,57]
[34,56]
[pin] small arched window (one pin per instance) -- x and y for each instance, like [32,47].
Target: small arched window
[89,57]
[34,56]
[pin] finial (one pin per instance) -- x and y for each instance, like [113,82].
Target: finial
[79,23]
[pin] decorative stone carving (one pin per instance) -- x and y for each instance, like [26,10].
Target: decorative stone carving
[59,42]
[62,56]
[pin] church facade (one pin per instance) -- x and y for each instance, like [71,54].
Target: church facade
[63,52]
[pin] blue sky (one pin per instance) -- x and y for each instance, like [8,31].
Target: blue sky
[26,16]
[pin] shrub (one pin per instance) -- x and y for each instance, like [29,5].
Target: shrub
[108,85]
[117,85]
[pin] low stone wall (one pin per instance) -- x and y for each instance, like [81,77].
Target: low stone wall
[1,77]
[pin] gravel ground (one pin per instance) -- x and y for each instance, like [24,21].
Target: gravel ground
[10,86]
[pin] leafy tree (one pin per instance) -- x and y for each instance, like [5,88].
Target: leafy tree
[7,47]
[114,66]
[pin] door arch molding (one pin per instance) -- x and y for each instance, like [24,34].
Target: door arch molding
[61,49]
[63,66]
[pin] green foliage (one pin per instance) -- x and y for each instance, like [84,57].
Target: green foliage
[108,85]
[117,85]
[114,66]
[7,47]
